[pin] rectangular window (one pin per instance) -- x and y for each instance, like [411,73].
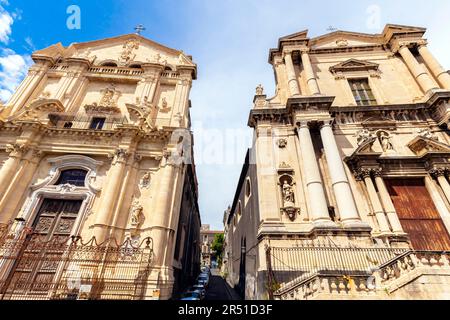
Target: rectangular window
[97,123]
[362,92]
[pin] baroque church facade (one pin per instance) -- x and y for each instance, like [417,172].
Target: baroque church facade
[345,191]
[98,189]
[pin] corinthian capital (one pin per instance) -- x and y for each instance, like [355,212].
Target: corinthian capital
[119,156]
[362,173]
[438,172]
[16,149]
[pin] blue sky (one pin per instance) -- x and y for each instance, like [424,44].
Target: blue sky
[229,40]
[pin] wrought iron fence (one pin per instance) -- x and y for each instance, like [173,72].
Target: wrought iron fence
[34,269]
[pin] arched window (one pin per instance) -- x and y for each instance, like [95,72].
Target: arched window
[109,64]
[74,177]
[135,66]
[248,189]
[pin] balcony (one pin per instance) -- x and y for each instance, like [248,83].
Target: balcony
[100,122]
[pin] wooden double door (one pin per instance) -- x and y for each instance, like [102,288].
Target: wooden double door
[418,214]
[42,251]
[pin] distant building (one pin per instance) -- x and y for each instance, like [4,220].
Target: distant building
[345,191]
[207,238]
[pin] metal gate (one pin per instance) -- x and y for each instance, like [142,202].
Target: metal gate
[33,269]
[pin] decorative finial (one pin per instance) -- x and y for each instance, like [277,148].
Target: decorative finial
[331,29]
[139,28]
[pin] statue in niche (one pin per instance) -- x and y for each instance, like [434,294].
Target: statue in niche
[136,214]
[385,141]
[288,194]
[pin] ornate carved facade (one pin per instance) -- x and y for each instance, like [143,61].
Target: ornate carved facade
[100,123]
[345,192]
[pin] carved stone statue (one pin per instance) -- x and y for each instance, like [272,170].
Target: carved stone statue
[363,136]
[288,195]
[127,52]
[426,133]
[136,214]
[145,180]
[385,141]
[164,105]
[259,90]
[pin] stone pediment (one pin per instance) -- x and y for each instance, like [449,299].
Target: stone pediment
[38,110]
[421,146]
[339,39]
[354,65]
[124,50]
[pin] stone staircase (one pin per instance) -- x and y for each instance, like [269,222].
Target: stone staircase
[409,274]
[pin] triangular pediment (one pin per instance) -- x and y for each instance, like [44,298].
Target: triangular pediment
[123,50]
[421,146]
[354,65]
[339,39]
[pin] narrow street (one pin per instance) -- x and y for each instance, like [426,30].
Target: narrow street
[219,289]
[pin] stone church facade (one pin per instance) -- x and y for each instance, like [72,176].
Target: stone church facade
[345,191]
[98,189]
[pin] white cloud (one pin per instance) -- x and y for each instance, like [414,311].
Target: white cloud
[13,68]
[6,20]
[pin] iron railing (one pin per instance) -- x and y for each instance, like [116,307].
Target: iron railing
[77,121]
[35,269]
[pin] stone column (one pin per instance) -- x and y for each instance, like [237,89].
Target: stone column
[341,187]
[19,184]
[376,204]
[109,194]
[9,167]
[442,180]
[292,77]
[316,194]
[416,69]
[310,77]
[387,204]
[163,210]
[438,71]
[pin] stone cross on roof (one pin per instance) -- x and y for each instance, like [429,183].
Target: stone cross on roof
[139,28]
